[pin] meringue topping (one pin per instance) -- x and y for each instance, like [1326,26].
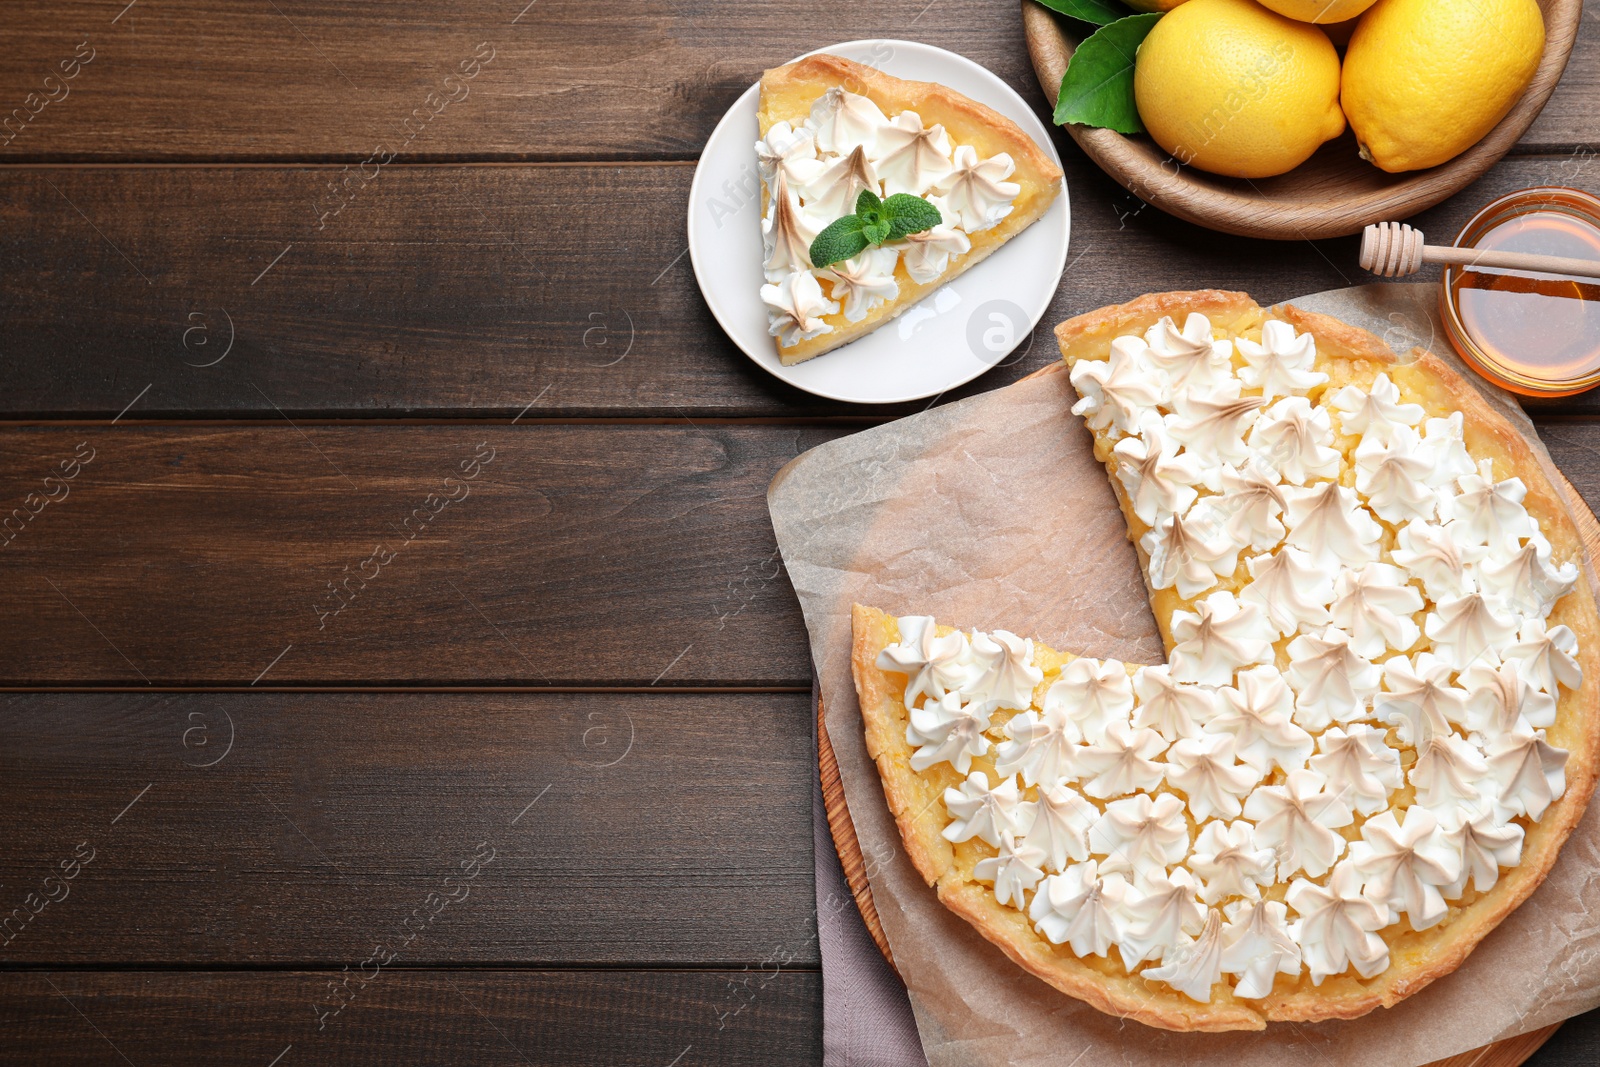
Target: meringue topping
[1092,693]
[845,121]
[1469,628]
[976,190]
[1172,708]
[1230,862]
[1374,606]
[1040,746]
[1445,441]
[1187,552]
[1194,965]
[1061,827]
[1190,358]
[1431,553]
[1332,681]
[1280,363]
[1211,425]
[1547,655]
[862,283]
[1500,698]
[1404,865]
[1080,908]
[1295,440]
[1375,413]
[984,813]
[1003,674]
[1336,926]
[1531,774]
[1297,819]
[1159,481]
[1217,638]
[926,254]
[1014,871]
[1359,765]
[1292,592]
[1448,771]
[786,234]
[1117,392]
[788,152]
[1210,776]
[1159,910]
[912,158]
[1483,842]
[1327,521]
[933,664]
[1490,512]
[1525,581]
[1418,697]
[796,306]
[1393,477]
[1122,762]
[1250,502]
[1257,714]
[832,194]
[1257,947]
[947,731]
[1139,834]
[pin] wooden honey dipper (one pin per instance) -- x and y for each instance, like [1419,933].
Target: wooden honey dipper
[1393,249]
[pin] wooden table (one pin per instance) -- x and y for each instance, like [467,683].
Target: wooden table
[405,672]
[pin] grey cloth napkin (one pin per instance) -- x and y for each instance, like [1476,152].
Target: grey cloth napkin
[866,1015]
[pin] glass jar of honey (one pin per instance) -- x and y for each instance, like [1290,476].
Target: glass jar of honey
[1535,334]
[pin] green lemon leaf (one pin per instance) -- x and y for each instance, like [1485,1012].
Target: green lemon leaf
[842,239]
[1098,12]
[1097,89]
[910,214]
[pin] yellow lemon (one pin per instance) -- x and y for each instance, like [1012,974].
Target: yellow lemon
[1424,80]
[1235,89]
[1319,11]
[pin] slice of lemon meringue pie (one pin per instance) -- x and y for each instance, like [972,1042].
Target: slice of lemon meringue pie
[833,130]
[1377,720]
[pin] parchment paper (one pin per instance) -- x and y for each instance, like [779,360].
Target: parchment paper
[992,512]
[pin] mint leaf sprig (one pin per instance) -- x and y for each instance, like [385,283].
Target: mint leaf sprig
[874,222]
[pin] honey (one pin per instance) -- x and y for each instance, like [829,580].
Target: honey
[1535,334]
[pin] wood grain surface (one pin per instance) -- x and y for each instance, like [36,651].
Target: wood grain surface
[477,291]
[210,80]
[486,1018]
[272,829]
[286,554]
[280,269]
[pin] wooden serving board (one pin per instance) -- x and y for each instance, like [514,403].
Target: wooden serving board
[1511,1052]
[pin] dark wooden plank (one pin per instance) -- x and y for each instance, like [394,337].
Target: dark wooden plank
[487,1018]
[623,555]
[579,555]
[548,829]
[477,291]
[301,79]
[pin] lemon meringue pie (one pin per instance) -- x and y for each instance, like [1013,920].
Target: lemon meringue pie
[831,129]
[1376,725]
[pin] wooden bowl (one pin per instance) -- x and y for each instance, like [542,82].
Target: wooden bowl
[1333,193]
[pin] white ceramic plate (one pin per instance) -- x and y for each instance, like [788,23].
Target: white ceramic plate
[953,334]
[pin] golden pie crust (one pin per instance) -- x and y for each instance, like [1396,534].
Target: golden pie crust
[787,94]
[1347,355]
